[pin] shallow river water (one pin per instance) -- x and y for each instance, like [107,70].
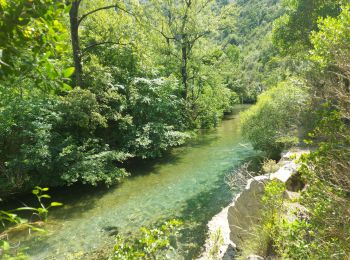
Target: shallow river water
[188,184]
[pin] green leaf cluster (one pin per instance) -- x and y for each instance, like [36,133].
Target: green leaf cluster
[273,123]
[154,243]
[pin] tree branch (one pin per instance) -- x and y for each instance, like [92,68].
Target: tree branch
[100,9]
[100,43]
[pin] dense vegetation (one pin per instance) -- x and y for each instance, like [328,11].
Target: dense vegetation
[87,85]
[315,36]
[137,77]
[258,67]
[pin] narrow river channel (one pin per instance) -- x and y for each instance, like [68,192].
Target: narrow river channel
[187,184]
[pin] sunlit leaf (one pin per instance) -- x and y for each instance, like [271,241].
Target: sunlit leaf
[56,204]
[45,196]
[68,72]
[4,245]
[66,87]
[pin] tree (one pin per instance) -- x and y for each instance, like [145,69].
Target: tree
[185,26]
[75,23]
[292,31]
[32,38]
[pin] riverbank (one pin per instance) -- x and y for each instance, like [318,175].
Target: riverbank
[236,222]
[186,184]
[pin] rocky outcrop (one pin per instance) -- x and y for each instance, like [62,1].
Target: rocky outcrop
[237,220]
[245,211]
[218,225]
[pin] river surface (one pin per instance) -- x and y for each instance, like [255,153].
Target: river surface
[187,184]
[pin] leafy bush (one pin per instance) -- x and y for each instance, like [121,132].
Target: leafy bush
[25,134]
[210,106]
[91,162]
[51,142]
[155,243]
[157,117]
[273,123]
[325,231]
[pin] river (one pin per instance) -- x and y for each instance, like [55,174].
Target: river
[187,184]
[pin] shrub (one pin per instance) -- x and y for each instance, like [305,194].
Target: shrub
[263,235]
[157,117]
[269,166]
[272,124]
[25,136]
[324,233]
[154,243]
[51,141]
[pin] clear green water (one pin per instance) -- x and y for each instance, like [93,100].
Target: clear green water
[187,184]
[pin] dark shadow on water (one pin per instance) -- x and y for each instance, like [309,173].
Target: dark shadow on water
[76,199]
[200,209]
[197,213]
[138,167]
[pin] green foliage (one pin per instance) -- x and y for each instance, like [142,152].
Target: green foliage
[272,124]
[43,210]
[91,162]
[25,132]
[194,46]
[258,67]
[262,240]
[273,199]
[323,231]
[211,105]
[80,110]
[11,222]
[32,38]
[131,102]
[292,31]
[331,43]
[52,142]
[216,242]
[327,229]
[155,243]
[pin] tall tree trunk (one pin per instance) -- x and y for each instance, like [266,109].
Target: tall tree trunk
[74,28]
[184,70]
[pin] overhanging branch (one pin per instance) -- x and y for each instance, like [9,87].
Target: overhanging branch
[100,9]
[100,43]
